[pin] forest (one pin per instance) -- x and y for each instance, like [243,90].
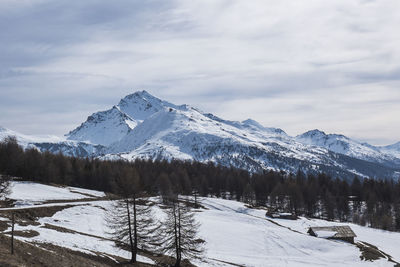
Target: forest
[371,202]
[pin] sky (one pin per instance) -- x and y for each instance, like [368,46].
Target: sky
[297,65]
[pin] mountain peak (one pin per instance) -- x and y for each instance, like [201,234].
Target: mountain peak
[313,133]
[141,104]
[139,96]
[252,123]
[104,127]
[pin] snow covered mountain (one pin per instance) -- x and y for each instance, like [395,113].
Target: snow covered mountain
[25,140]
[352,148]
[54,144]
[392,149]
[106,127]
[103,127]
[143,126]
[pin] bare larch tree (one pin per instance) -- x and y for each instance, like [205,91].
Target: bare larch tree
[4,186]
[131,221]
[180,232]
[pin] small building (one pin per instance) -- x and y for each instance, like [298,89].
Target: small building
[333,232]
[281,215]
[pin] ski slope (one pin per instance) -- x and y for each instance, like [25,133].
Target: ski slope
[235,235]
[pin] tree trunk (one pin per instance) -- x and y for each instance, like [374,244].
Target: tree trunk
[178,260]
[133,254]
[179,235]
[135,237]
[12,234]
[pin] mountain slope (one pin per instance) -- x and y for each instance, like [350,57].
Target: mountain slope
[393,150]
[141,105]
[103,127]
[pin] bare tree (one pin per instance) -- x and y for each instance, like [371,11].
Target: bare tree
[249,194]
[131,220]
[180,233]
[4,186]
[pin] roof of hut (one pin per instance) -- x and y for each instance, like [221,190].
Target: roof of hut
[334,231]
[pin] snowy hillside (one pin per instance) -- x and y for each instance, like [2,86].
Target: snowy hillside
[143,126]
[235,235]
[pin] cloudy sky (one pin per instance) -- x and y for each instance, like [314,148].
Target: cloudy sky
[297,65]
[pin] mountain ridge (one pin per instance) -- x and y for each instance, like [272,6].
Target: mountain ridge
[146,127]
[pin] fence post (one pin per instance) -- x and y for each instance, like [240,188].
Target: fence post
[12,233]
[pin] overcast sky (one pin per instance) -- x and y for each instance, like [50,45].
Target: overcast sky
[297,65]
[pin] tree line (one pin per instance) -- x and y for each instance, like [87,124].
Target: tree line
[371,202]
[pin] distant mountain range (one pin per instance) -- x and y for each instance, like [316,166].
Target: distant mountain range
[143,126]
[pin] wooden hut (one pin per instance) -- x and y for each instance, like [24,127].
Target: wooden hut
[333,232]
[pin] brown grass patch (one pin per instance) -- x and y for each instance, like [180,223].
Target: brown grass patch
[27,233]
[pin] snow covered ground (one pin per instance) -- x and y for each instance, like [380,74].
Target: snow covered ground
[29,193]
[386,241]
[235,234]
[87,218]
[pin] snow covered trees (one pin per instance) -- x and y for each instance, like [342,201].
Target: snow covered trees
[131,221]
[179,232]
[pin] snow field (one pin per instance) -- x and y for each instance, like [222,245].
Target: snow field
[387,241]
[28,193]
[243,236]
